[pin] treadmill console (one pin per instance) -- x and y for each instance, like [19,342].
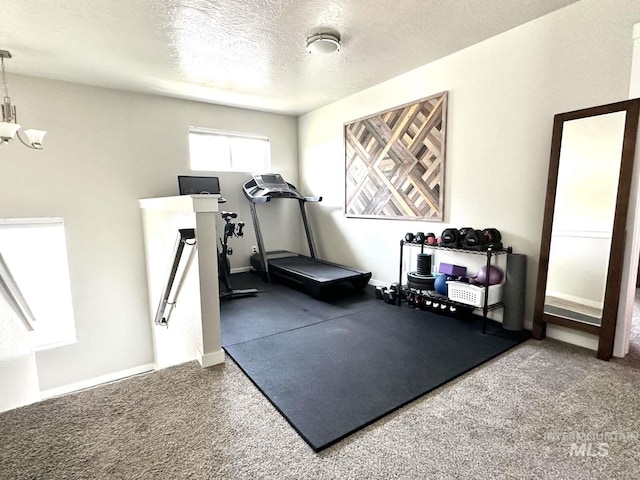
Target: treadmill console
[271,181]
[264,186]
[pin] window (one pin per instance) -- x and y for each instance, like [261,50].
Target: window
[220,151]
[35,251]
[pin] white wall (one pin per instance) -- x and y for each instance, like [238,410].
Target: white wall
[18,373]
[632,248]
[106,149]
[503,94]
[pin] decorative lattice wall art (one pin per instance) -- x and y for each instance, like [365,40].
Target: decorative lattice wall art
[395,162]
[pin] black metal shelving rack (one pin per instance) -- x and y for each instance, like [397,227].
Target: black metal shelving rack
[489,253]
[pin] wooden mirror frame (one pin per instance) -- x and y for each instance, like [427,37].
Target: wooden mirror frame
[606,330]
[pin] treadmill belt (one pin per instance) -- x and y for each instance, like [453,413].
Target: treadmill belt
[309,267]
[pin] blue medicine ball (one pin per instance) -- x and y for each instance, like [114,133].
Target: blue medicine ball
[440,284]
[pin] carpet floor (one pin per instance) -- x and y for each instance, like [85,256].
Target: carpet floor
[529,413]
[514,417]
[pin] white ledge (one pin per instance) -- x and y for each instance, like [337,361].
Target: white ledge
[181,203]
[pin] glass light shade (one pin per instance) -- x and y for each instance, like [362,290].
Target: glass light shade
[35,137]
[323,43]
[8,131]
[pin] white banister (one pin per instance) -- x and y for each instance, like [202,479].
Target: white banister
[12,293]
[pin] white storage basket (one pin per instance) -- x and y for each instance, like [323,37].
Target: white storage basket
[473,294]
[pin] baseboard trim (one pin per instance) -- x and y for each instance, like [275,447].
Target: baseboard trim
[210,359]
[93,382]
[575,299]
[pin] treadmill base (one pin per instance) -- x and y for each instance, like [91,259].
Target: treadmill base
[316,276]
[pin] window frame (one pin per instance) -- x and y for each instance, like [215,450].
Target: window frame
[70,337]
[228,134]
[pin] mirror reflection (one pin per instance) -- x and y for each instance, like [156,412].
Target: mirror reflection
[585,202]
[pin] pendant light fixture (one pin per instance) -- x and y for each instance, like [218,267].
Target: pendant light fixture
[9,128]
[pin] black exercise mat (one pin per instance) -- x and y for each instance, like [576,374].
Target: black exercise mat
[266,314]
[240,281]
[277,309]
[334,377]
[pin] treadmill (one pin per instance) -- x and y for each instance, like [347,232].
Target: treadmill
[313,274]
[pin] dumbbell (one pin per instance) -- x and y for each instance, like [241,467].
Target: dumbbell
[412,297]
[464,231]
[450,237]
[492,235]
[420,238]
[473,239]
[426,303]
[389,296]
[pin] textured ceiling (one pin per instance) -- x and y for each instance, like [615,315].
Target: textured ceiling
[248,53]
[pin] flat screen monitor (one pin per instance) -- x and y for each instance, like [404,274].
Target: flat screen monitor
[192,185]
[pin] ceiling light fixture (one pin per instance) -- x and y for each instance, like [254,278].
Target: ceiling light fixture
[9,128]
[323,43]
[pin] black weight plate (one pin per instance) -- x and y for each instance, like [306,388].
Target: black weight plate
[417,276]
[420,284]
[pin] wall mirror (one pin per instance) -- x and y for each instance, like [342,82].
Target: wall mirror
[583,235]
